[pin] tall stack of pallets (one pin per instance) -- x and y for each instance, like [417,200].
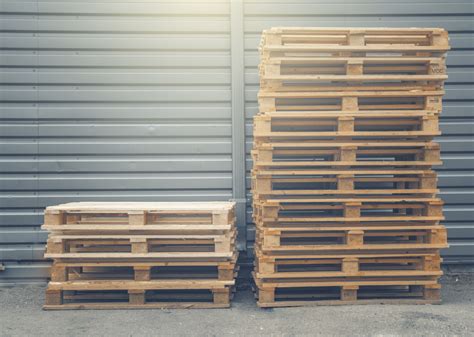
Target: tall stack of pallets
[141,255]
[344,194]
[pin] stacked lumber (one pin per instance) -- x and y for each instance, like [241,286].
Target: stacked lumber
[141,255]
[344,194]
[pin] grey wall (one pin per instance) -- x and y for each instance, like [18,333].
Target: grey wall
[144,100]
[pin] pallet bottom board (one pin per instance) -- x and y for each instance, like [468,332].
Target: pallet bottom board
[350,295]
[339,302]
[128,285]
[113,306]
[138,299]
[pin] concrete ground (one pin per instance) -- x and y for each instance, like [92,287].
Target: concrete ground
[21,315]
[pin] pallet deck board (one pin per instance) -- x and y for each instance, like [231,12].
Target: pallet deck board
[167,207]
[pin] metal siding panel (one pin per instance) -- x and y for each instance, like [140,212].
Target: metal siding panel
[108,100]
[254,8]
[64,41]
[75,111]
[24,273]
[22,236]
[452,23]
[133,147]
[118,59]
[149,8]
[100,77]
[100,95]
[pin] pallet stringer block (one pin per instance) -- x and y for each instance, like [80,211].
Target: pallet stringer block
[432,153]
[349,104]
[137,218]
[350,265]
[55,246]
[345,182]
[271,238]
[349,293]
[262,126]
[225,272]
[223,243]
[433,103]
[59,273]
[355,238]
[266,295]
[438,236]
[221,295]
[54,218]
[136,296]
[434,208]
[354,67]
[267,104]
[139,245]
[347,153]
[437,67]
[270,211]
[432,292]
[356,37]
[428,180]
[53,297]
[142,273]
[439,38]
[262,184]
[431,263]
[352,209]
[220,218]
[266,265]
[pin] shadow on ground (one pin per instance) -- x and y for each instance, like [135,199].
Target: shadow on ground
[21,315]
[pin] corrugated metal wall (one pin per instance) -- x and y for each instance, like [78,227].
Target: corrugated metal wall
[104,100]
[115,100]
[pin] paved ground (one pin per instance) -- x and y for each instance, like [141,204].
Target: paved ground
[21,315]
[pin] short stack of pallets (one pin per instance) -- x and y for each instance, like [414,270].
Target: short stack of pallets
[141,255]
[344,194]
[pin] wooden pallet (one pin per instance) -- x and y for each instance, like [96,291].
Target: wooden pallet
[292,126]
[141,255]
[348,99]
[139,244]
[319,183]
[347,156]
[293,267]
[331,83]
[347,238]
[299,42]
[124,215]
[143,271]
[349,67]
[290,73]
[339,254]
[348,210]
[276,77]
[138,294]
[343,293]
